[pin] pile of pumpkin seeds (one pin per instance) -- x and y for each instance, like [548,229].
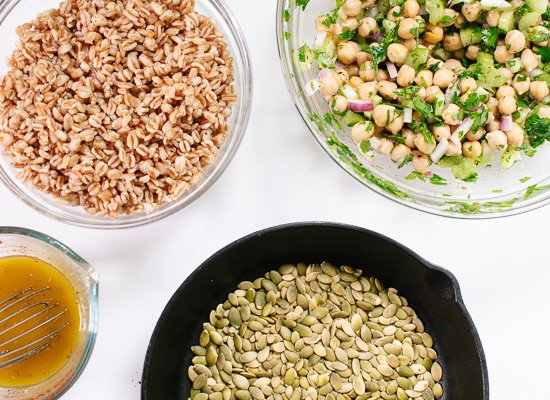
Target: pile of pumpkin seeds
[314,332]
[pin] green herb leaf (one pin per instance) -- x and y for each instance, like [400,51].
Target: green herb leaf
[489,37]
[423,108]
[422,127]
[525,179]
[347,34]
[537,129]
[416,175]
[407,93]
[533,189]
[286,15]
[365,146]
[287,35]
[438,180]
[379,52]
[408,158]
[302,3]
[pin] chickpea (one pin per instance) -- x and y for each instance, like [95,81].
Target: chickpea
[521,84]
[352,8]
[507,105]
[350,24]
[451,15]
[408,135]
[453,149]
[421,23]
[477,135]
[397,53]
[420,162]
[539,90]
[367,71]
[468,85]
[386,90]
[363,57]
[399,152]
[544,31]
[353,71]
[434,34]
[471,11]
[421,93]
[319,26]
[492,17]
[342,75]
[432,92]
[369,3]
[382,75]
[505,90]
[544,112]
[362,131]
[471,149]
[515,135]
[506,73]
[347,52]
[529,60]
[422,145]
[515,41]
[329,86]
[367,27]
[405,76]
[501,54]
[394,14]
[382,114]
[441,132]
[434,64]
[355,81]
[407,27]
[410,44]
[385,147]
[451,114]
[396,124]
[411,8]
[367,90]
[452,41]
[424,78]
[454,65]
[459,23]
[339,104]
[492,126]
[472,52]
[444,77]
[497,140]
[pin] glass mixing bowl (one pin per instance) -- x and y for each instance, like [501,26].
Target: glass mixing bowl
[16,12]
[83,277]
[498,192]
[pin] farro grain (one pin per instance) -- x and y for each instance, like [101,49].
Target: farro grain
[116,106]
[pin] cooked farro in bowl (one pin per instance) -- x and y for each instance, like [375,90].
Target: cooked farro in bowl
[116,114]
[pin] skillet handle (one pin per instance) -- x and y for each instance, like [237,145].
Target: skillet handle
[444,283]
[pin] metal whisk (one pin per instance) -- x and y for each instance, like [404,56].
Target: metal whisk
[32,323]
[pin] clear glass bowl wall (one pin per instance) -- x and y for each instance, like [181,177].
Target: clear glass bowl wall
[498,192]
[83,277]
[16,12]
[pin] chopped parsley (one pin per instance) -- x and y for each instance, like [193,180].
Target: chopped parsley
[525,179]
[396,138]
[365,146]
[407,93]
[347,34]
[332,18]
[422,127]
[448,20]
[331,120]
[302,53]
[535,35]
[489,37]
[286,15]
[287,35]
[302,3]
[438,180]
[408,158]
[416,175]
[531,190]
[423,108]
[537,129]
[379,51]
[544,53]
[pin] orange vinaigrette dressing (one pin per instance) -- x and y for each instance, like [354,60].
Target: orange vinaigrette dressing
[18,273]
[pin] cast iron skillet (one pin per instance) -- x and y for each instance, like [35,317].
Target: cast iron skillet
[433,292]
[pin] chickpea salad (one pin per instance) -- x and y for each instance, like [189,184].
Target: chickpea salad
[447,82]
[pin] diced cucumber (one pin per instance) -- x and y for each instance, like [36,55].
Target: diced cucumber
[538,5]
[350,118]
[439,104]
[418,57]
[349,92]
[435,9]
[441,54]
[449,162]
[466,169]
[470,35]
[528,20]
[514,65]
[388,26]
[509,157]
[487,155]
[506,21]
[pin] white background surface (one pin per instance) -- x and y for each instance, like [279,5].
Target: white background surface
[281,175]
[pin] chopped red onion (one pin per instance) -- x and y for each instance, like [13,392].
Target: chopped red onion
[407,115]
[536,72]
[312,87]
[339,65]
[378,37]
[439,150]
[450,92]
[360,105]
[392,70]
[422,10]
[374,143]
[506,123]
[319,40]
[462,130]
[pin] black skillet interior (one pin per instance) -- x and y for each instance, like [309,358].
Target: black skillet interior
[431,291]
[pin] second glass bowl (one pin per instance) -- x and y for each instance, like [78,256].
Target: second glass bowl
[497,192]
[16,12]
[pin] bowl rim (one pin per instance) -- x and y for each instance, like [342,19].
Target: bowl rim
[93,298]
[286,61]
[168,308]
[215,170]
